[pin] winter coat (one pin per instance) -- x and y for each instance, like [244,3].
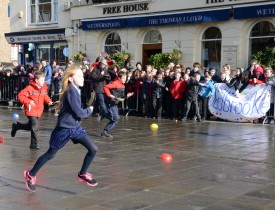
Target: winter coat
[158,92]
[115,88]
[38,95]
[208,90]
[47,70]
[149,88]
[177,89]
[99,79]
[192,90]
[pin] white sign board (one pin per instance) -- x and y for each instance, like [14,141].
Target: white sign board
[14,52]
[251,104]
[230,56]
[35,38]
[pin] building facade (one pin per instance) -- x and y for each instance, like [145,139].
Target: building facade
[212,32]
[38,29]
[5,51]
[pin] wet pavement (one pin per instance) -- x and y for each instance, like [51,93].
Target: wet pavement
[216,165]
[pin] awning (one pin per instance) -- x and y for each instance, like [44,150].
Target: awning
[173,18]
[254,11]
[36,36]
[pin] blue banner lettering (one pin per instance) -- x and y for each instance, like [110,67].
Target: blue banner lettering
[254,11]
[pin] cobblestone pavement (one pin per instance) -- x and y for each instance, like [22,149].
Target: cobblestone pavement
[216,165]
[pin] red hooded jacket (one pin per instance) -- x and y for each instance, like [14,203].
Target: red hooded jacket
[38,95]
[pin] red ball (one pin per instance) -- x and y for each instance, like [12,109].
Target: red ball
[166,157]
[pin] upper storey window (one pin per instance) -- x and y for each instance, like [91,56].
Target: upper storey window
[42,11]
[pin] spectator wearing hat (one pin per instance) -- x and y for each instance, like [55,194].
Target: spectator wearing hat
[100,77]
[138,66]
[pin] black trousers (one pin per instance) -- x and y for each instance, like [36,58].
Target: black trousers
[187,106]
[157,104]
[177,108]
[31,125]
[204,105]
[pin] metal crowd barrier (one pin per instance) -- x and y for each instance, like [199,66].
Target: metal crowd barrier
[10,87]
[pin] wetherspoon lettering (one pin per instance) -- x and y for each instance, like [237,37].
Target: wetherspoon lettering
[125,8]
[218,1]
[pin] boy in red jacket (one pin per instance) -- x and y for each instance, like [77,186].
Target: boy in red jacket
[115,92]
[33,98]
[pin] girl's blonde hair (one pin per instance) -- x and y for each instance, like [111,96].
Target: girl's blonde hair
[70,72]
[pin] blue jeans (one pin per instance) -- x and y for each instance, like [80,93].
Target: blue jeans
[111,115]
[86,141]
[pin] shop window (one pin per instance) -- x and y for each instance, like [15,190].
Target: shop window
[152,37]
[211,47]
[43,51]
[261,36]
[112,43]
[60,53]
[43,11]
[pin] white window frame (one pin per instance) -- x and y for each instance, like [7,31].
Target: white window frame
[113,45]
[256,37]
[210,40]
[54,12]
[150,31]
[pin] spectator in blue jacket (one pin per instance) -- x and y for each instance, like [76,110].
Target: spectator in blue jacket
[205,91]
[47,70]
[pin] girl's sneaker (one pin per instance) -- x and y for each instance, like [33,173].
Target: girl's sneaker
[87,178]
[30,181]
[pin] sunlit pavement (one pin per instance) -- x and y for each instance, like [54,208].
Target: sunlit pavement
[216,165]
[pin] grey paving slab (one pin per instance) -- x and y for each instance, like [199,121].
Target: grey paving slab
[216,165]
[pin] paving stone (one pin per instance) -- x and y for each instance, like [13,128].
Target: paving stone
[216,165]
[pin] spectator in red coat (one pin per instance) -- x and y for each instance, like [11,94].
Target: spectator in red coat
[177,89]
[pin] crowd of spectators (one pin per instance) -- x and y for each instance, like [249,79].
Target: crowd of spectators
[175,92]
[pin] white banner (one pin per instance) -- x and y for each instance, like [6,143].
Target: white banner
[251,104]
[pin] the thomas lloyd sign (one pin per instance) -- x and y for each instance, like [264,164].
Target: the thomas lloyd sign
[221,14]
[125,8]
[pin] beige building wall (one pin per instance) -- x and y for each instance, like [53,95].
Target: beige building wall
[235,33]
[4,28]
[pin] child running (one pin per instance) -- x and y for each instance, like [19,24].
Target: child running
[114,91]
[33,98]
[68,127]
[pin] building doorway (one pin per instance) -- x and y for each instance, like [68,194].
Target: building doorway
[152,44]
[148,50]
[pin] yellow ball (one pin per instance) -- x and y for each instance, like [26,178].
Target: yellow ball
[154,126]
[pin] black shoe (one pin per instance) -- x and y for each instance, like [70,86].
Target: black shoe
[34,147]
[199,120]
[106,134]
[13,129]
